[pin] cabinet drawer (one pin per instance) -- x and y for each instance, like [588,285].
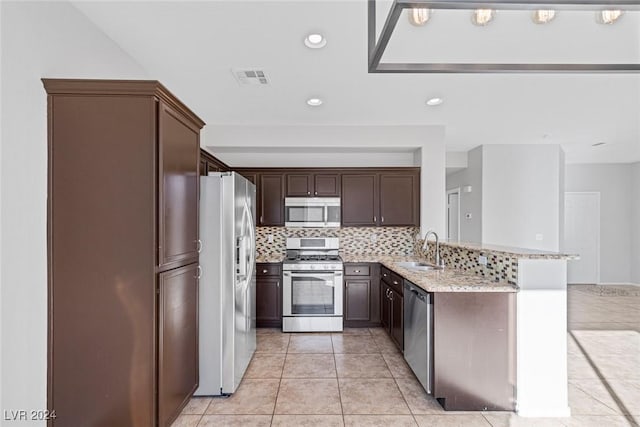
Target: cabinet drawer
[392,279]
[356,270]
[268,269]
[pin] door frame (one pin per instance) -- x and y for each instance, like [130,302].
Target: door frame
[457,190]
[598,241]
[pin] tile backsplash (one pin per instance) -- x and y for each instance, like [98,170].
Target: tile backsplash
[353,240]
[500,266]
[399,241]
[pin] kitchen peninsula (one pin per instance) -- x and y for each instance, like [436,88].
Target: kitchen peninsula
[492,307]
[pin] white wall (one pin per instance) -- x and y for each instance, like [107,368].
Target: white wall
[613,182]
[310,158]
[635,223]
[521,195]
[38,40]
[470,229]
[433,195]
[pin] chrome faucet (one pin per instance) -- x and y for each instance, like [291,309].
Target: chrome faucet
[438,261]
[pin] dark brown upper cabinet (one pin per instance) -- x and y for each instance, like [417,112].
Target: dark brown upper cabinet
[326,185]
[399,199]
[359,199]
[179,148]
[271,201]
[385,199]
[299,184]
[313,184]
[209,163]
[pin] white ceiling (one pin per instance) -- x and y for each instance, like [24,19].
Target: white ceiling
[192,46]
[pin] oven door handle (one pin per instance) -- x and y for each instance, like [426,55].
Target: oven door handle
[329,276]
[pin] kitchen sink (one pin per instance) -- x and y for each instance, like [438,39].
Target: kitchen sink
[419,266]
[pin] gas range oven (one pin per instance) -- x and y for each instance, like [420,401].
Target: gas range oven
[312,285]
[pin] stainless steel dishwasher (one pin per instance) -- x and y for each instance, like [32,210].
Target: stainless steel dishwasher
[418,333]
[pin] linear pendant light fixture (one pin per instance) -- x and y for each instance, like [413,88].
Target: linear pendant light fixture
[419,11]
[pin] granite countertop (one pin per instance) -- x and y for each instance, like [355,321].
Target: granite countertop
[514,252]
[275,258]
[447,280]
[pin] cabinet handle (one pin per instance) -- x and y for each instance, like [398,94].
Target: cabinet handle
[382,218]
[384,274]
[391,296]
[316,193]
[198,245]
[374,219]
[308,193]
[264,271]
[356,271]
[199,275]
[261,219]
[395,282]
[277,284]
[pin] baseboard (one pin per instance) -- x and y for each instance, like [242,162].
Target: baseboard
[618,284]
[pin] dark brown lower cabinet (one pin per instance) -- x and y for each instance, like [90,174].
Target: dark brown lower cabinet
[268,295]
[385,306]
[397,319]
[392,306]
[177,340]
[361,295]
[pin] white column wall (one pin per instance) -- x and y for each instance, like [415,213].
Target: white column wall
[433,199]
[39,39]
[542,376]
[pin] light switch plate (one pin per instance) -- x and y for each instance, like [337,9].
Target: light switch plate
[482,260]
[270,238]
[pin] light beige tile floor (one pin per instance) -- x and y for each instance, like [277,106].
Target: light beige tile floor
[358,378]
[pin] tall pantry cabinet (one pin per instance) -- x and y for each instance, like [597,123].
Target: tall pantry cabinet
[123,253]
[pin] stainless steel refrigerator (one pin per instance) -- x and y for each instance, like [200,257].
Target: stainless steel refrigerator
[227,308]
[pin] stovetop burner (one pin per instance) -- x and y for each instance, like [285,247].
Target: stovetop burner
[313,258]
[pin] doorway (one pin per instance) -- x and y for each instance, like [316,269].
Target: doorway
[582,237]
[453,215]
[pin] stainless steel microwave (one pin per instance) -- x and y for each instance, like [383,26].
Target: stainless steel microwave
[312,211]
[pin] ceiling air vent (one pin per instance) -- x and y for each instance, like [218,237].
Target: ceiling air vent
[246,77]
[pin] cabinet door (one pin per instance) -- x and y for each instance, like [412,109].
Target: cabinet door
[357,297]
[397,319]
[268,302]
[359,199]
[299,184]
[177,340]
[271,199]
[178,179]
[326,185]
[399,199]
[385,306]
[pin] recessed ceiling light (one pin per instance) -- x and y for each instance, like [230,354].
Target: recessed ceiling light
[314,102]
[315,41]
[598,144]
[482,17]
[543,16]
[419,16]
[434,101]
[608,16]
